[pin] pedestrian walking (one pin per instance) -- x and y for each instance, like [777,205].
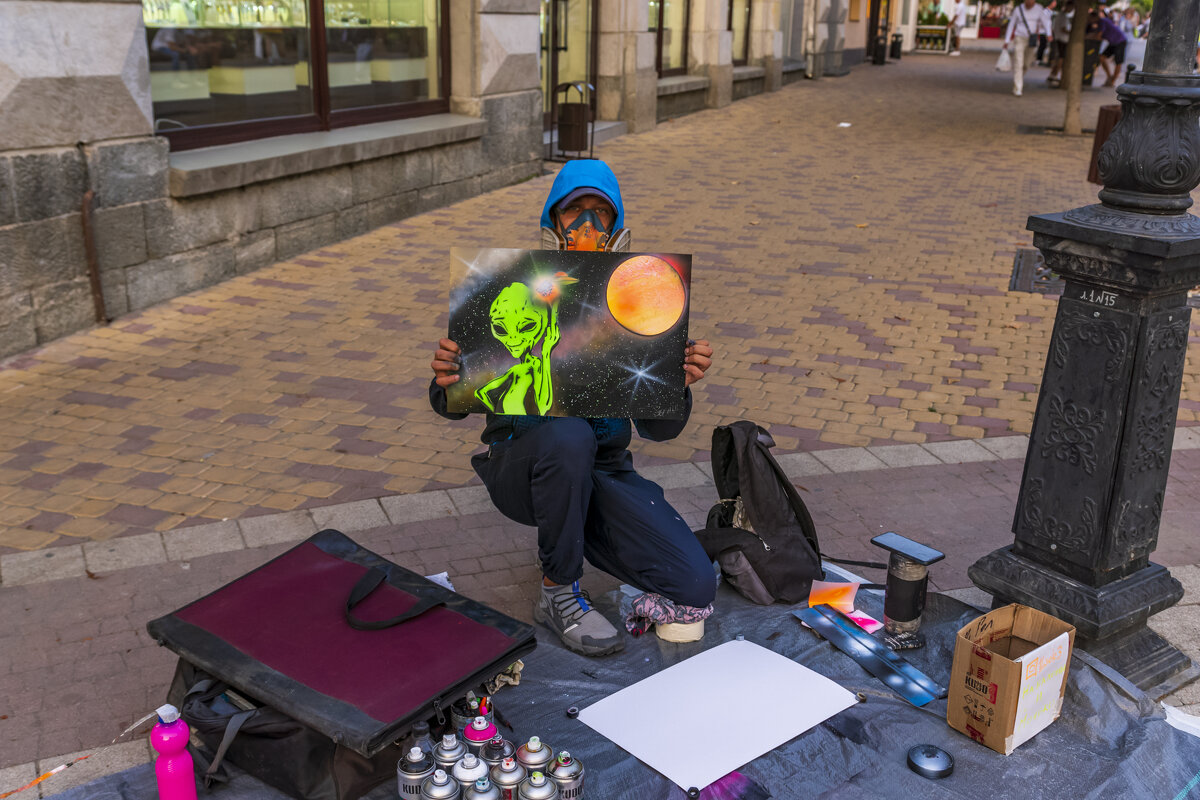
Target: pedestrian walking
[1061,36]
[958,22]
[1026,24]
[1113,54]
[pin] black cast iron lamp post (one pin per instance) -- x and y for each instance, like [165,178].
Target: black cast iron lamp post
[1091,496]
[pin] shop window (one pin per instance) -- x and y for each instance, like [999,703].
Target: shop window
[669,20]
[739,23]
[231,70]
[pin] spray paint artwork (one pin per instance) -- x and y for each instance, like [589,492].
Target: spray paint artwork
[566,333]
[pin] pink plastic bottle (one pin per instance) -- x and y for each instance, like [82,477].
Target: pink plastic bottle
[173,769]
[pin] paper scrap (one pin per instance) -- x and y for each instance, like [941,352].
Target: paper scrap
[716,696]
[834,593]
[843,124]
[441,579]
[864,621]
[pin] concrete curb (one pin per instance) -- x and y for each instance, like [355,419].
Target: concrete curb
[184,544]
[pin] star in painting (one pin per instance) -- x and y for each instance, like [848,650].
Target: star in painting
[641,374]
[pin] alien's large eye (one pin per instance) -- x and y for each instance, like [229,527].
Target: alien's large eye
[528,327]
[498,330]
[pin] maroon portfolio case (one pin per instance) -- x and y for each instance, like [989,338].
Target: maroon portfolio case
[342,640]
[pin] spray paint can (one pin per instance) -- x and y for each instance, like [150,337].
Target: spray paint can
[449,751]
[538,787]
[567,772]
[440,786]
[479,733]
[173,769]
[496,750]
[419,737]
[469,770]
[464,712]
[411,772]
[507,776]
[482,789]
[535,755]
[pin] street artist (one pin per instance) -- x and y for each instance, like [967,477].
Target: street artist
[573,478]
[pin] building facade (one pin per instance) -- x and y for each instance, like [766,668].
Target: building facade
[154,147]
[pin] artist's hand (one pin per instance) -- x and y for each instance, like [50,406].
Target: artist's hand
[447,361]
[697,358]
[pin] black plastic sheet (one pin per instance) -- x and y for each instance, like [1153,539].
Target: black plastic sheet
[1109,742]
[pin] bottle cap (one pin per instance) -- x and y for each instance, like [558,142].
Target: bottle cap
[564,757]
[535,744]
[537,779]
[508,763]
[439,776]
[479,723]
[469,761]
[449,740]
[167,714]
[416,754]
[420,728]
[483,784]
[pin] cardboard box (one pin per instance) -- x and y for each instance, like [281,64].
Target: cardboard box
[1009,676]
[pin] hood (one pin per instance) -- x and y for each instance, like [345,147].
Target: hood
[589,173]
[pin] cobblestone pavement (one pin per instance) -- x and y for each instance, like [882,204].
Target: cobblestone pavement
[854,281]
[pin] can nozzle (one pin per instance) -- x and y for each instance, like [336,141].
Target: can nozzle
[167,714]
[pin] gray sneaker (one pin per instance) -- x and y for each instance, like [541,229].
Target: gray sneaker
[568,612]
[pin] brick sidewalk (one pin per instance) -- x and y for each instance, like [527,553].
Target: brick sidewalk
[76,665]
[854,281]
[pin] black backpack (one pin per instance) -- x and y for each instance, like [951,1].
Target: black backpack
[760,533]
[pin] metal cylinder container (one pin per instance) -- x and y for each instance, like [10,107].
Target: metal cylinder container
[567,772]
[449,751]
[538,787]
[535,754]
[507,776]
[482,789]
[496,750]
[411,772]
[464,713]
[904,599]
[470,769]
[440,786]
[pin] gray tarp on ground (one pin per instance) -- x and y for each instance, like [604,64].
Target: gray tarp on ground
[1106,744]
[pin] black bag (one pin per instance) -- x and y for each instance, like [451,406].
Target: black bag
[760,533]
[307,671]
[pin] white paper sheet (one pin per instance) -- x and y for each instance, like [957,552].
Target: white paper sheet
[705,717]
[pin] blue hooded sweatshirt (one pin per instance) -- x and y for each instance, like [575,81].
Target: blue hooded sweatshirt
[584,173]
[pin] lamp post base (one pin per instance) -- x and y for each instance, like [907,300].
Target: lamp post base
[1110,620]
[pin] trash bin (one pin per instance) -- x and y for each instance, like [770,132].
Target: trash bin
[1105,122]
[880,54]
[572,121]
[897,45]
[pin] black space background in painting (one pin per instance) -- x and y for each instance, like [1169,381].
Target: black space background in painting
[599,368]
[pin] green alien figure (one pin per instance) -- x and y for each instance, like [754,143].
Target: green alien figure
[518,322]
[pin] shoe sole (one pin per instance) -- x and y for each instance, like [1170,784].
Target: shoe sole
[541,616]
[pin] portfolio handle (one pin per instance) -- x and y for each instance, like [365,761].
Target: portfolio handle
[369,583]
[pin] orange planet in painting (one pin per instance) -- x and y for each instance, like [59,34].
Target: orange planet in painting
[646,295]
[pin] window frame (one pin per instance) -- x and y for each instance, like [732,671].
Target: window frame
[323,116]
[658,40]
[741,62]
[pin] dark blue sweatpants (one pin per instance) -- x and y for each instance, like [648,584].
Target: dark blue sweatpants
[593,505]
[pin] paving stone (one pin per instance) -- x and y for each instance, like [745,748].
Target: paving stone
[798,465]
[19,775]
[405,508]
[124,553]
[288,528]
[52,564]
[471,500]
[1007,446]
[184,544]
[959,452]
[349,517]
[103,761]
[675,476]
[850,459]
[903,455]
[1187,438]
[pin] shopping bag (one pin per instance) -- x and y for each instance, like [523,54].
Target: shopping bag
[1004,62]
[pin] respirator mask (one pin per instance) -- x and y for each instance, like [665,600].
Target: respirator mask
[585,232]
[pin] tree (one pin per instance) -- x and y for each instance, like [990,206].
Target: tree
[1073,67]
